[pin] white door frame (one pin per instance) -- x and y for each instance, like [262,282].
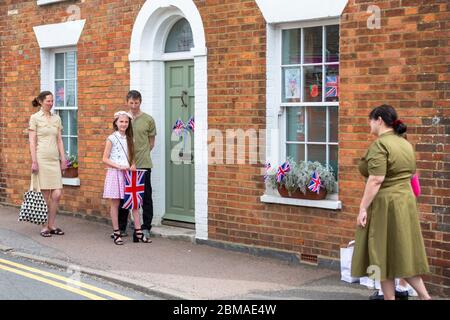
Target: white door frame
[147,58]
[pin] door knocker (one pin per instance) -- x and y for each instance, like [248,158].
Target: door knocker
[183,94]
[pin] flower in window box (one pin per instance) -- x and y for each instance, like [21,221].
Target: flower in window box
[71,161]
[72,166]
[294,181]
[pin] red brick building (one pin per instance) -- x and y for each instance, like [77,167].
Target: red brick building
[227,63]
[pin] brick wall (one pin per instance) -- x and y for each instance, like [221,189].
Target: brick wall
[103,81]
[3,13]
[404,63]
[235,35]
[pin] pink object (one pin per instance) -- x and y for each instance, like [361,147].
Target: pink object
[415,185]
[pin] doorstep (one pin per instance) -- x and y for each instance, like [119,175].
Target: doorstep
[173,233]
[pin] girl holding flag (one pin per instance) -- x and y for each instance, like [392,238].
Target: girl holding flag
[119,157]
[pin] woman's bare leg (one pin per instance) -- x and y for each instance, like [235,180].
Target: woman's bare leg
[418,285]
[388,287]
[55,196]
[114,213]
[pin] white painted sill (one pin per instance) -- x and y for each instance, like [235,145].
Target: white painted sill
[330,203]
[44,2]
[71,182]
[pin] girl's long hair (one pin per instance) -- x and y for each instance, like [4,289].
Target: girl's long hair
[130,140]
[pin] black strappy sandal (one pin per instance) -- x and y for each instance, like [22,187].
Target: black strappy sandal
[46,233]
[57,231]
[117,239]
[138,235]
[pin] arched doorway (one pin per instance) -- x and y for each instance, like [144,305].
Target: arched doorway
[150,61]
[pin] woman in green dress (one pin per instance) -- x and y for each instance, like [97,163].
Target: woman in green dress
[389,241]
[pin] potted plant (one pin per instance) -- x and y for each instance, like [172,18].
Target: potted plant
[303,180]
[72,166]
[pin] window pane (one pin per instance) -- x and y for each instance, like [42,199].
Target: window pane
[73,122]
[332,40]
[66,144]
[59,66]
[291,85]
[59,89]
[64,115]
[296,151]
[180,37]
[312,87]
[332,83]
[73,146]
[334,160]
[71,65]
[317,124]
[71,93]
[313,45]
[317,153]
[333,118]
[291,46]
[295,124]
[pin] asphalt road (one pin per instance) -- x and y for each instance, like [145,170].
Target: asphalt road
[23,279]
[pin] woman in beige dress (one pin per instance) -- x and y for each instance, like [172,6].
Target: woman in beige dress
[47,155]
[388,238]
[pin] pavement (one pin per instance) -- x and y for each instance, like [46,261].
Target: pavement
[172,266]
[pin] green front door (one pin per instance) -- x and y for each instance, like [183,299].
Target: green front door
[179,86]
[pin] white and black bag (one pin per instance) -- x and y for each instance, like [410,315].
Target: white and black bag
[34,208]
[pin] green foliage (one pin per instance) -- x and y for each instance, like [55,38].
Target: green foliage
[300,175]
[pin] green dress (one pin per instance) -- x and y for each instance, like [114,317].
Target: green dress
[392,239]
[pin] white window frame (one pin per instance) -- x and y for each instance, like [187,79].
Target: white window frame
[45,2]
[53,80]
[276,108]
[286,105]
[51,37]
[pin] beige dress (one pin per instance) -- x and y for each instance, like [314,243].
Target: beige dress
[47,149]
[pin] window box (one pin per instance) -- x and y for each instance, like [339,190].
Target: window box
[297,194]
[328,203]
[71,182]
[70,173]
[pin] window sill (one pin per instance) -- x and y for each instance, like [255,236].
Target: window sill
[333,204]
[44,2]
[71,181]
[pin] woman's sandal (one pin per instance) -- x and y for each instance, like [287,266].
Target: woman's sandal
[57,231]
[139,236]
[46,233]
[117,239]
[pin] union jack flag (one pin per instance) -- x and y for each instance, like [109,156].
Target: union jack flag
[331,87]
[282,170]
[179,126]
[134,189]
[191,124]
[314,185]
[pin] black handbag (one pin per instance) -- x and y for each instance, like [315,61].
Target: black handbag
[34,208]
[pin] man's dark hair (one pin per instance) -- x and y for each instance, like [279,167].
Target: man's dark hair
[135,95]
